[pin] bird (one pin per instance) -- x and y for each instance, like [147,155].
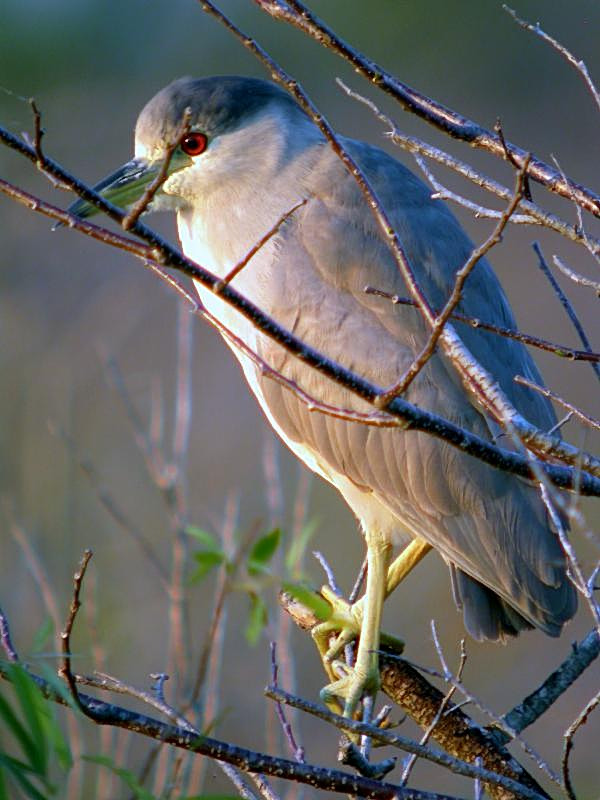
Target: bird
[248,154]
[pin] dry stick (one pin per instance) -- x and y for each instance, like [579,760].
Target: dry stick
[413,418]
[144,201]
[575,276]
[457,733]
[560,350]
[586,588]
[247,760]
[445,119]
[534,215]
[454,680]
[577,63]
[440,320]
[258,246]
[475,377]
[65,670]
[100,680]
[443,706]
[566,304]
[573,410]
[539,701]
[568,745]
[296,749]
[5,639]
[456,765]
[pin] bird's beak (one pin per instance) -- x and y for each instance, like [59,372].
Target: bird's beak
[127,184]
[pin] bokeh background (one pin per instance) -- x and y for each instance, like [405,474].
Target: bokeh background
[66,302]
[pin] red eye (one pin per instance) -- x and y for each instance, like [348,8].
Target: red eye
[194,143]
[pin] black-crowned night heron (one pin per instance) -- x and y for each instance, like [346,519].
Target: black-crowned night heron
[251,155]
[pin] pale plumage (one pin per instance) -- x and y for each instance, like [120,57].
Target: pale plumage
[263,156]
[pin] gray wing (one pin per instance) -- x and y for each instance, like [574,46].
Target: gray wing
[508,568]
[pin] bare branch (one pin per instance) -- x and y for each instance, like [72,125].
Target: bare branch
[565,303]
[540,700]
[65,670]
[573,410]
[235,270]
[575,276]
[440,320]
[441,117]
[403,743]
[568,745]
[247,760]
[534,215]
[560,48]
[560,350]
[5,639]
[141,206]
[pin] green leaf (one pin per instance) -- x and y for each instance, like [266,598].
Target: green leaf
[16,770]
[257,618]
[31,703]
[128,778]
[263,551]
[11,721]
[309,598]
[206,538]
[207,560]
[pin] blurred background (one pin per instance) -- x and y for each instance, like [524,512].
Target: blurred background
[66,303]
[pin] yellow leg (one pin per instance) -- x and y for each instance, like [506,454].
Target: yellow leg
[405,562]
[363,619]
[364,676]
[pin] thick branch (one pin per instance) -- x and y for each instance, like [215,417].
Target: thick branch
[414,418]
[445,119]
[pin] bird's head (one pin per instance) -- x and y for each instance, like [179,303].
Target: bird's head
[226,129]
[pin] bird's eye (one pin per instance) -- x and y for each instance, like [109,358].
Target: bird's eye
[194,144]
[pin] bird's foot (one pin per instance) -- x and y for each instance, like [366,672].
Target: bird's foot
[349,683]
[352,685]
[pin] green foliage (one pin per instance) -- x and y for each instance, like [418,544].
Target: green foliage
[257,618]
[263,551]
[309,598]
[36,736]
[209,556]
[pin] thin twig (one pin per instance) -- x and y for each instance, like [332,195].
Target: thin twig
[561,350]
[440,320]
[141,205]
[400,742]
[568,743]
[533,214]
[565,303]
[573,410]
[235,270]
[413,418]
[65,670]
[443,706]
[5,639]
[539,701]
[296,749]
[454,681]
[445,119]
[560,48]
[575,276]
[153,698]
